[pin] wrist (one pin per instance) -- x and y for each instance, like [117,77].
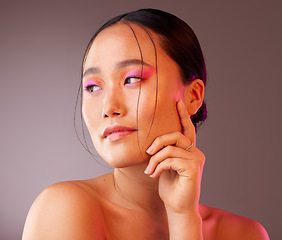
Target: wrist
[185,225]
[187,216]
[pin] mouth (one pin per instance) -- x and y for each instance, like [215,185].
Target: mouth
[116,132]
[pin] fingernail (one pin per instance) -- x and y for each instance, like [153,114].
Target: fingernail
[150,149]
[147,170]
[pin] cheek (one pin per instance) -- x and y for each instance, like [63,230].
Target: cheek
[90,113]
[146,104]
[161,113]
[166,117]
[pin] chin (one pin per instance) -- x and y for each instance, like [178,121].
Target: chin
[122,160]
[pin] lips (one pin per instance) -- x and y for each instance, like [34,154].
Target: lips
[116,132]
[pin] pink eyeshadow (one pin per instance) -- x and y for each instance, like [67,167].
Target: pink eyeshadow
[146,73]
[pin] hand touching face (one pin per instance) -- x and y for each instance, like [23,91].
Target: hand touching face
[179,164]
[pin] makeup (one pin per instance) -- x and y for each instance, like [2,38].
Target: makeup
[145,74]
[91,85]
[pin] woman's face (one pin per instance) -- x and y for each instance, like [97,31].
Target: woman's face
[119,105]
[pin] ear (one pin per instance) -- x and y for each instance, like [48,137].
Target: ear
[194,96]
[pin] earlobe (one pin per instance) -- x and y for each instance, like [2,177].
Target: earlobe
[194,96]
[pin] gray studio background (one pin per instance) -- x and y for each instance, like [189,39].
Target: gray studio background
[41,47]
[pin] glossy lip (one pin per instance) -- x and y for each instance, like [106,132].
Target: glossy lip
[116,132]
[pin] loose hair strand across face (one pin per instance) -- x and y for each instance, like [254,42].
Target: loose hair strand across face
[177,39]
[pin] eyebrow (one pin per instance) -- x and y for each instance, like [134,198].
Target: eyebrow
[130,62]
[92,70]
[121,64]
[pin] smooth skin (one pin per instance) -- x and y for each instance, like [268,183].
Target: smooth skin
[154,190]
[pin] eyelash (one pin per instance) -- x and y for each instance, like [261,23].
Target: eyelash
[138,79]
[90,87]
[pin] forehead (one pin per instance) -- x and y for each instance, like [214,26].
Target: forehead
[122,42]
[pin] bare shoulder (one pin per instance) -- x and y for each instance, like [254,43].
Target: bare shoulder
[65,210]
[225,225]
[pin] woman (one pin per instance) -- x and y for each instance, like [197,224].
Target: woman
[143,79]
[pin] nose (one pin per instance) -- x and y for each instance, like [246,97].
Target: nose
[113,104]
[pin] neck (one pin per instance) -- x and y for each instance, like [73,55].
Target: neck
[137,189]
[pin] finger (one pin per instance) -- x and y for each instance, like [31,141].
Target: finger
[171,152]
[184,168]
[176,139]
[188,128]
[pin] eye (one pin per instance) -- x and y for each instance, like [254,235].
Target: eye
[92,88]
[132,80]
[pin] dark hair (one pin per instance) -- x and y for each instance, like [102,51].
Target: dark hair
[178,40]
